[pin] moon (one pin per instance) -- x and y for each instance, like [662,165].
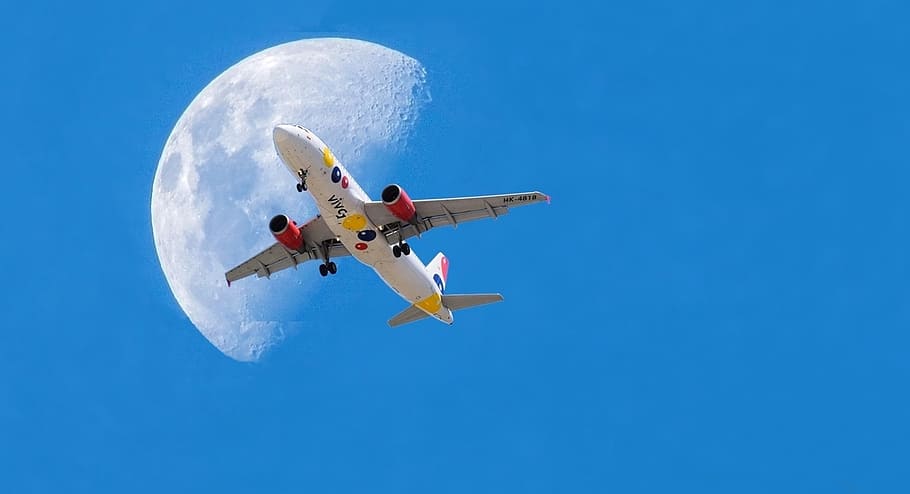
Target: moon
[219,179]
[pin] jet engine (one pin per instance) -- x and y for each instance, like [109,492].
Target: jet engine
[286,232]
[398,203]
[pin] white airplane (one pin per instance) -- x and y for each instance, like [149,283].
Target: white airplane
[374,232]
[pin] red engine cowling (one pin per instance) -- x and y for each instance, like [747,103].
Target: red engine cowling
[285,231]
[398,203]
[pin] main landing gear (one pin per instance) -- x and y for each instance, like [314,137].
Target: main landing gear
[328,266]
[401,248]
[301,186]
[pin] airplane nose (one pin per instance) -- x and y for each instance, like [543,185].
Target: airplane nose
[283,133]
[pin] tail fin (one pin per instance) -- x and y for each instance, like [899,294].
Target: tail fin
[438,269]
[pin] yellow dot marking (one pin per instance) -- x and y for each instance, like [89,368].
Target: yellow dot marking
[328,157]
[431,304]
[354,222]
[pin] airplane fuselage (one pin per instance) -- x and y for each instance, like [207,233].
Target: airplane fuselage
[340,200]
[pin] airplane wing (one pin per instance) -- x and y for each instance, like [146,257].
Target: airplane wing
[278,257]
[432,213]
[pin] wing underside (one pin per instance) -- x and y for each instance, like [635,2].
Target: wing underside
[432,213]
[316,238]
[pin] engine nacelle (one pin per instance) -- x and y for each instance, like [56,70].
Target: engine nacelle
[285,231]
[398,203]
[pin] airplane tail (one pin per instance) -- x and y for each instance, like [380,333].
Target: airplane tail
[438,269]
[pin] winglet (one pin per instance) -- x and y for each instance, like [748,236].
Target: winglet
[228,281]
[548,198]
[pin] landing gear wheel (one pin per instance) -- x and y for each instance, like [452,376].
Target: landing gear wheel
[405,249]
[396,251]
[323,270]
[300,188]
[332,267]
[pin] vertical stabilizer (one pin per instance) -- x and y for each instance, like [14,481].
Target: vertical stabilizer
[438,269]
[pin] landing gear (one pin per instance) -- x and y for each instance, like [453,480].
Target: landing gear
[301,174]
[402,248]
[328,266]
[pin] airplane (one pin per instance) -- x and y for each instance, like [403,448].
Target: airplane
[375,233]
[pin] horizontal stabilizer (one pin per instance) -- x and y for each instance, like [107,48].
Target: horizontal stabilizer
[452,302]
[410,314]
[458,302]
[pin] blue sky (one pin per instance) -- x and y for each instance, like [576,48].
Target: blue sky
[716,300]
